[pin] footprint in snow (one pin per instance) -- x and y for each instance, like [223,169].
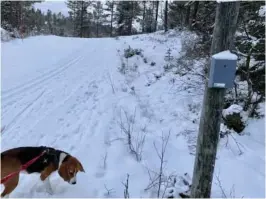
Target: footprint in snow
[72,148]
[60,120]
[99,174]
[95,86]
[64,136]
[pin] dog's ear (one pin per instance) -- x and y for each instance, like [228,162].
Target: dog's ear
[80,167]
[62,171]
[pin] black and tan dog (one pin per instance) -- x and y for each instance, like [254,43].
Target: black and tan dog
[52,160]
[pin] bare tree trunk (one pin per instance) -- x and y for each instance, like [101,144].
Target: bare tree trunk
[97,29]
[74,21]
[195,11]
[21,25]
[166,16]
[181,19]
[18,14]
[81,19]
[156,15]
[143,16]
[187,15]
[153,21]
[223,37]
[112,15]
[131,18]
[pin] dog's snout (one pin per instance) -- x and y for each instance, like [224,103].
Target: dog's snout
[74,182]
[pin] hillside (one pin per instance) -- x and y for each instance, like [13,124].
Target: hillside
[85,96]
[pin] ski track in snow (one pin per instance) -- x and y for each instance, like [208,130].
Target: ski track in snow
[69,104]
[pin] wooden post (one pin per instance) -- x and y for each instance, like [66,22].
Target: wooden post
[223,38]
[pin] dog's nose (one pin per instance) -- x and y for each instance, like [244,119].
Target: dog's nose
[74,182]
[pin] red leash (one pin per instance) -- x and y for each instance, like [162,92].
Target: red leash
[23,167]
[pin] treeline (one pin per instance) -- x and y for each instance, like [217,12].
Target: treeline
[85,19]
[112,18]
[21,19]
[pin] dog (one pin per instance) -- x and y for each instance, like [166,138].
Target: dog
[50,161]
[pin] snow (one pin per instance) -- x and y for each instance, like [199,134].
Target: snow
[251,164]
[262,11]
[68,93]
[5,35]
[235,109]
[227,55]
[255,97]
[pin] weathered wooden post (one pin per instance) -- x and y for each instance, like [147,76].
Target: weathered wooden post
[221,76]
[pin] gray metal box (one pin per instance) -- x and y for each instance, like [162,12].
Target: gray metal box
[222,71]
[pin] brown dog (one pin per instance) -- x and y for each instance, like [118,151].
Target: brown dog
[50,161]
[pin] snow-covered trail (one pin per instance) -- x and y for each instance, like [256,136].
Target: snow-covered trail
[58,107]
[69,89]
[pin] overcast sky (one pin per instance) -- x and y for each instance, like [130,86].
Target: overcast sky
[54,6]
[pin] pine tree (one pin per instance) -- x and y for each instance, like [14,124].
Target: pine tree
[7,17]
[40,21]
[176,14]
[156,15]
[127,11]
[148,19]
[143,16]
[251,48]
[14,15]
[187,19]
[98,15]
[195,11]
[49,21]
[61,23]
[72,5]
[110,9]
[31,21]
[79,15]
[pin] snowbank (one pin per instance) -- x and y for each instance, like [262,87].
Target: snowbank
[234,108]
[237,110]
[5,35]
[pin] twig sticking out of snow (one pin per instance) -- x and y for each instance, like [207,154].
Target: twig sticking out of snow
[220,185]
[161,156]
[126,193]
[111,82]
[237,144]
[232,190]
[109,191]
[159,179]
[135,144]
